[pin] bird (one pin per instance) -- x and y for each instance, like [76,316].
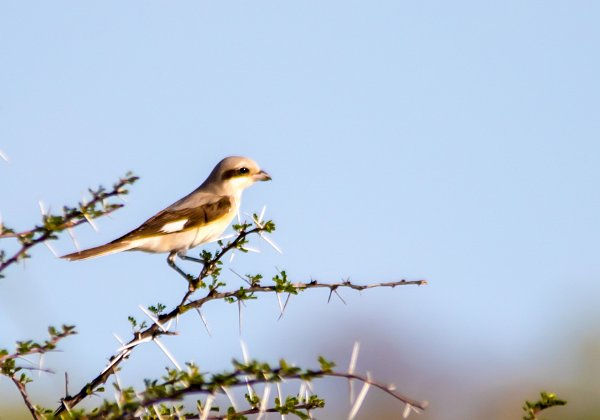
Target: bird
[198,218]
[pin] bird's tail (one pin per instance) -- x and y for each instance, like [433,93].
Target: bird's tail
[107,249]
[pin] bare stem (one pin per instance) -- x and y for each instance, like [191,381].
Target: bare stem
[23,390]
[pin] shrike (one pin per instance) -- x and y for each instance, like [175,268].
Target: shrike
[197,218]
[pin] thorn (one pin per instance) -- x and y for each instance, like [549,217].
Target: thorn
[271,242]
[27,360]
[228,236]
[244,351]
[240,316]
[66,385]
[121,342]
[406,411]
[359,400]
[249,387]
[134,343]
[118,400]
[153,318]
[280,303]
[354,357]
[89,219]
[280,397]
[260,224]
[301,392]
[338,295]
[308,390]
[42,209]
[230,396]
[204,321]
[240,276]
[167,353]
[40,364]
[117,379]
[352,367]
[168,326]
[74,239]
[287,299]
[264,401]
[64,403]
[123,354]
[157,412]
[207,405]
[50,248]
[262,213]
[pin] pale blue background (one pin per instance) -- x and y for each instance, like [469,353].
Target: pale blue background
[452,141]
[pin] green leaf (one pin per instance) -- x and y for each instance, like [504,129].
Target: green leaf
[547,400]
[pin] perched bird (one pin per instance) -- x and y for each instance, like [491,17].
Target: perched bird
[197,218]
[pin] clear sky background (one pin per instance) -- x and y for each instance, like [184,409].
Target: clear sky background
[456,142]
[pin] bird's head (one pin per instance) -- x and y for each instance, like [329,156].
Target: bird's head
[237,173]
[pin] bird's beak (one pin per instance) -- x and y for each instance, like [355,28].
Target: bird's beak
[262,176]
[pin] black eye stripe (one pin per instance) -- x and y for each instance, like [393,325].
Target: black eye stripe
[232,173]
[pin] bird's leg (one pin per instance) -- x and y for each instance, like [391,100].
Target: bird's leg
[194,259]
[171,262]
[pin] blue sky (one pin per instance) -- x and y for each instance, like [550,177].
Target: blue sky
[456,142]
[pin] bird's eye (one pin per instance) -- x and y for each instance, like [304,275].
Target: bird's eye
[244,170]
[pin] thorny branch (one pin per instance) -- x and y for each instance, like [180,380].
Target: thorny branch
[211,269]
[23,390]
[277,376]
[29,347]
[257,411]
[85,212]
[72,216]
[10,368]
[180,383]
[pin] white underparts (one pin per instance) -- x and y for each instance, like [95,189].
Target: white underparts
[183,239]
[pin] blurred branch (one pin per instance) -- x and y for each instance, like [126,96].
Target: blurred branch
[266,375]
[10,368]
[72,216]
[547,400]
[29,347]
[20,383]
[178,384]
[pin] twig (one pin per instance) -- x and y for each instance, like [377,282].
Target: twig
[23,390]
[276,376]
[73,217]
[48,346]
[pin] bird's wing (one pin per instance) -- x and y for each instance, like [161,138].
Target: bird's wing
[179,219]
